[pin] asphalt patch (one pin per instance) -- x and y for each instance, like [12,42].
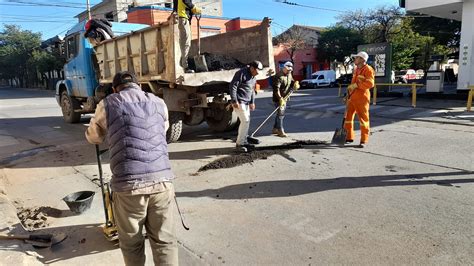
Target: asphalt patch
[259,153]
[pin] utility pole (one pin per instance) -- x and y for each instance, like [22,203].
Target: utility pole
[88,10]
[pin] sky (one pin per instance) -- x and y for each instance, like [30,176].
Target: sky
[52,21]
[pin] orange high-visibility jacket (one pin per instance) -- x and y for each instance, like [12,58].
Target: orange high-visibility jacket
[365,80]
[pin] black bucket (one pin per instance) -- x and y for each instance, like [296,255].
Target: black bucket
[79,202]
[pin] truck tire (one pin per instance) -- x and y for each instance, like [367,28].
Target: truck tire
[68,105]
[226,121]
[176,127]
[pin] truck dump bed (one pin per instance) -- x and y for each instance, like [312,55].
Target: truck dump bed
[154,54]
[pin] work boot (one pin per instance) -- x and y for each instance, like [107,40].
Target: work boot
[362,145]
[349,141]
[275,131]
[281,133]
[188,71]
[240,148]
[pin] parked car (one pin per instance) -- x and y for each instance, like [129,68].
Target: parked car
[322,78]
[404,76]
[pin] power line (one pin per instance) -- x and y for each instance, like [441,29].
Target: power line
[36,21]
[306,6]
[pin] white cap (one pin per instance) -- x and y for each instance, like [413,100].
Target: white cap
[288,65]
[362,55]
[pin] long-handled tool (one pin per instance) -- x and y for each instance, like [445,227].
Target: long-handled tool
[340,134]
[180,214]
[38,241]
[109,228]
[200,60]
[252,139]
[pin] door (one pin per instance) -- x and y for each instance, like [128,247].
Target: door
[309,71]
[70,68]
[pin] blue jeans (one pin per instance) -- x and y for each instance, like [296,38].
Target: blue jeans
[280,115]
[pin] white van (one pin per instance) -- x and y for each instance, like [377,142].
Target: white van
[322,78]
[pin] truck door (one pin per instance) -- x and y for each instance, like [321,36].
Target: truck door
[70,68]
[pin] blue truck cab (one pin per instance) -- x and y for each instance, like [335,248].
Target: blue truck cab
[77,94]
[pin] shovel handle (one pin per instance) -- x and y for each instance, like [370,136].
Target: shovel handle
[44,237]
[14,237]
[198,18]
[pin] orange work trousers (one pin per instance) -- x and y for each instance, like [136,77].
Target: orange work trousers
[361,108]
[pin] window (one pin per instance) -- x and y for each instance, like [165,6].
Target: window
[321,77]
[72,43]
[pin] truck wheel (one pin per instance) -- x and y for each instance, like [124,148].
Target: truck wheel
[176,127]
[226,120]
[68,105]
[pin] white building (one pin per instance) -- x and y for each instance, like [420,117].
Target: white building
[461,10]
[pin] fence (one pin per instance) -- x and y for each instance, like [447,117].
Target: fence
[413,87]
[469,98]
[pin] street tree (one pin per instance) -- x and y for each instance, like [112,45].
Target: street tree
[292,40]
[445,32]
[16,49]
[376,25]
[337,43]
[44,62]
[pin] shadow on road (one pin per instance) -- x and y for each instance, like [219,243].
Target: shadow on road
[18,93]
[289,188]
[82,240]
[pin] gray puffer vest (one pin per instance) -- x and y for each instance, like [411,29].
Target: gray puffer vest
[137,139]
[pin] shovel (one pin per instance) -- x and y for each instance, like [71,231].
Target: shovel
[339,137]
[200,60]
[252,139]
[38,241]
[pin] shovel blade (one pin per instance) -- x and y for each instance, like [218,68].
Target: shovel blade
[339,137]
[201,64]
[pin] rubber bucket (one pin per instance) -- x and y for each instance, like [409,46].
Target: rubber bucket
[79,202]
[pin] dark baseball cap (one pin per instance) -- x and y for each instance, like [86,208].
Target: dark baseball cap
[124,77]
[257,65]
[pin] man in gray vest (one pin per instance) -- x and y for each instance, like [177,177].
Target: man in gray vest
[135,123]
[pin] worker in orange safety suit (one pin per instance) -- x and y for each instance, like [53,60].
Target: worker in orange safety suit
[358,100]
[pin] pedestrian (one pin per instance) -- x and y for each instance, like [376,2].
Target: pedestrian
[359,99]
[242,93]
[281,88]
[135,123]
[185,9]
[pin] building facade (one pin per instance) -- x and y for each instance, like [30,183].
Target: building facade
[116,10]
[210,25]
[305,59]
[460,10]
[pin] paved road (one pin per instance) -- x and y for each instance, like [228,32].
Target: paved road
[405,199]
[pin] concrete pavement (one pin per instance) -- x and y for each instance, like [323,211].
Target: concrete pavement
[403,200]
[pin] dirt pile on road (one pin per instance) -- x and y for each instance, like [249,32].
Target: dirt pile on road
[37,217]
[258,154]
[239,159]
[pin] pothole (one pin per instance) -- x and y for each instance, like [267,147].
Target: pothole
[260,153]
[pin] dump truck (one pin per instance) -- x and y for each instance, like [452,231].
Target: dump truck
[153,54]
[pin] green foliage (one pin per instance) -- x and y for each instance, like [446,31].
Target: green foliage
[336,43]
[44,61]
[413,40]
[22,57]
[376,25]
[445,32]
[16,49]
